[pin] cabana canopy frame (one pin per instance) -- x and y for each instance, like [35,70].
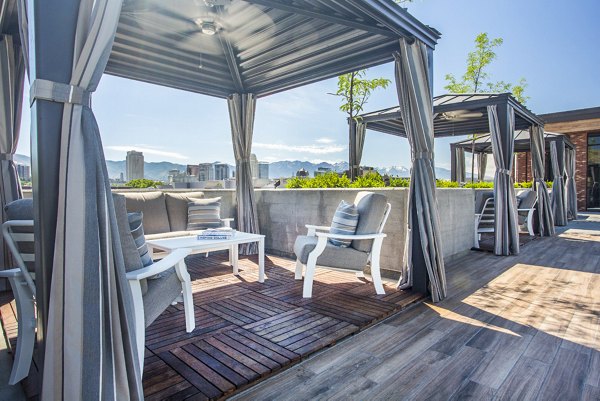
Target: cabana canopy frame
[522,142]
[389,120]
[217,48]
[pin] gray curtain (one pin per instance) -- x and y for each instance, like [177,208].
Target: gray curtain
[559,206]
[358,130]
[241,114]
[12,73]
[416,107]
[91,353]
[538,152]
[459,154]
[481,166]
[506,228]
[571,190]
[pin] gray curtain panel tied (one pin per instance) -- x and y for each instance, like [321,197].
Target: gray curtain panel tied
[91,353]
[460,165]
[481,166]
[241,114]
[358,130]
[571,189]
[559,206]
[416,107]
[538,162]
[506,226]
[12,73]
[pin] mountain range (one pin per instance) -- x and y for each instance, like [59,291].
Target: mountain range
[280,169]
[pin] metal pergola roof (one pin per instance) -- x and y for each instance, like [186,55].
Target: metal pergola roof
[447,122]
[260,46]
[483,143]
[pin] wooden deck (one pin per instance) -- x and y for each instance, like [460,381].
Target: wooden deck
[247,331]
[513,328]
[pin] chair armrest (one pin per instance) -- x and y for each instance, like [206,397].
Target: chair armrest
[524,210]
[11,273]
[227,222]
[351,237]
[158,267]
[313,229]
[320,228]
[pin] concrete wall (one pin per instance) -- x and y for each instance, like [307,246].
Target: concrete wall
[283,214]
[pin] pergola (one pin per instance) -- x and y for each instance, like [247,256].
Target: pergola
[232,49]
[562,158]
[482,144]
[499,114]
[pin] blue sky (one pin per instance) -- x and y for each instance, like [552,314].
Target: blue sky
[554,44]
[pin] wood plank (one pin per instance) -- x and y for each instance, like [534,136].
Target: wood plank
[524,381]
[566,377]
[190,375]
[474,391]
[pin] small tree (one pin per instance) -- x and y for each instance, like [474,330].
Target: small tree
[355,90]
[476,79]
[143,183]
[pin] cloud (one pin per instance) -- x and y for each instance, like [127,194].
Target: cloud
[312,149]
[148,150]
[325,140]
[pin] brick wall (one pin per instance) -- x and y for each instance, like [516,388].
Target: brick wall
[580,141]
[523,167]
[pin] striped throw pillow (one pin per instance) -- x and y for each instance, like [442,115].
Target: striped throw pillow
[137,231]
[344,222]
[204,213]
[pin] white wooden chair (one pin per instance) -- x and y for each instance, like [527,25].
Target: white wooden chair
[155,287]
[18,235]
[526,202]
[314,250]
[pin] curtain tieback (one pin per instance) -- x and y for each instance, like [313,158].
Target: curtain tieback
[423,155]
[6,156]
[503,171]
[59,92]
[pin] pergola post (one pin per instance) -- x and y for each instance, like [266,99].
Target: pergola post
[352,167]
[241,114]
[51,47]
[453,164]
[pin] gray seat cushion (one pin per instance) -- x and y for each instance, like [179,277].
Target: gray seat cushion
[526,199]
[333,256]
[160,294]
[480,198]
[371,208]
[153,206]
[20,209]
[177,208]
[131,256]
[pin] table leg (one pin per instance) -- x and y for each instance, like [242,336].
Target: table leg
[261,260]
[231,254]
[235,251]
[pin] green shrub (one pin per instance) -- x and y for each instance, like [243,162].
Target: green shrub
[549,184]
[327,180]
[524,184]
[369,180]
[479,185]
[446,184]
[399,182]
[143,183]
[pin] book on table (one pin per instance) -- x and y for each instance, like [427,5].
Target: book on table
[217,233]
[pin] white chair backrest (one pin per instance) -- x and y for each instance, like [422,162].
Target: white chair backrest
[13,238]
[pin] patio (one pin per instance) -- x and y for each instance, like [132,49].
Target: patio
[247,331]
[523,326]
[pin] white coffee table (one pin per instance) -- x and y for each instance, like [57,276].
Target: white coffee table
[201,246]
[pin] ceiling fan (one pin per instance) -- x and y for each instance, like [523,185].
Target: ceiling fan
[461,115]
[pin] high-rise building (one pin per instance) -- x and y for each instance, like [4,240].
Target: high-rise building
[193,170]
[254,165]
[321,170]
[222,171]
[24,172]
[263,170]
[135,165]
[206,172]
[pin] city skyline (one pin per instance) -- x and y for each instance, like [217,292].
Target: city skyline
[305,123]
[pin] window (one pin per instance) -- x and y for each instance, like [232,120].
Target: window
[593,172]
